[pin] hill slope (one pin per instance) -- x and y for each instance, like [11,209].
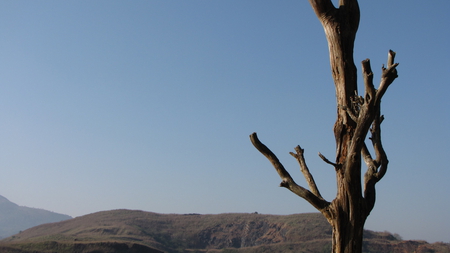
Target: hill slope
[15,218]
[196,233]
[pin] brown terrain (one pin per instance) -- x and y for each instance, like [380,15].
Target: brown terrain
[139,231]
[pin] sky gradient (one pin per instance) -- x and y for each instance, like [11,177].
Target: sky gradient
[149,105]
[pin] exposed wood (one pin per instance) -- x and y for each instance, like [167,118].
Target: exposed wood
[356,117]
[305,171]
[336,166]
[286,180]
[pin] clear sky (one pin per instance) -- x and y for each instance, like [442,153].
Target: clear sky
[149,104]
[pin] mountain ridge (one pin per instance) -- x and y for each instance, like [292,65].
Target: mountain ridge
[15,218]
[176,233]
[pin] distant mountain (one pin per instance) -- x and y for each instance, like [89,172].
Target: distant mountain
[15,218]
[139,231]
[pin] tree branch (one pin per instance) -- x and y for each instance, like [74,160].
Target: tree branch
[287,181]
[322,8]
[304,169]
[368,158]
[336,166]
[377,168]
[389,74]
[368,82]
[381,158]
[370,110]
[326,11]
[367,110]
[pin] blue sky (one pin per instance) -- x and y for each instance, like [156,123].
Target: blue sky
[149,104]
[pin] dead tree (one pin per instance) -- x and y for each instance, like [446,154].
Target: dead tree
[356,117]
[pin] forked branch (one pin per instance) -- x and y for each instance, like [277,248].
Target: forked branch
[322,7]
[376,168]
[388,76]
[286,180]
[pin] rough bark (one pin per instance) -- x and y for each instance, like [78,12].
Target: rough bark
[356,116]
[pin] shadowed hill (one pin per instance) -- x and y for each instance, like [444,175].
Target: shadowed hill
[15,218]
[234,232]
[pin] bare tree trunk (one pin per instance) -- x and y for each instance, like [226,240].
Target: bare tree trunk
[347,213]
